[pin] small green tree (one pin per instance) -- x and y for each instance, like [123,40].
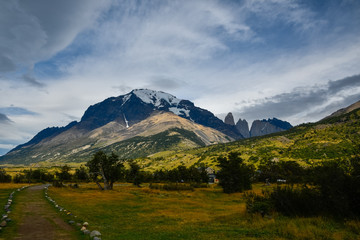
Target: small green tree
[81,174]
[105,168]
[64,174]
[234,174]
[4,177]
[135,175]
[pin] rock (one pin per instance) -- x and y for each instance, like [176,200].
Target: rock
[3,224]
[83,228]
[229,119]
[78,224]
[263,127]
[8,219]
[86,232]
[85,224]
[95,233]
[96,238]
[71,222]
[243,127]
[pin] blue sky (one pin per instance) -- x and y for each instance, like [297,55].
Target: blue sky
[294,60]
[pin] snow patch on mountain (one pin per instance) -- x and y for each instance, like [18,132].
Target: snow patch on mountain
[180,111]
[155,97]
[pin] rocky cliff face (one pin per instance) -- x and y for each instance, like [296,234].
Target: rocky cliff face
[229,119]
[243,127]
[263,127]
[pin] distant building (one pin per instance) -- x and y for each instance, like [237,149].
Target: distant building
[211,174]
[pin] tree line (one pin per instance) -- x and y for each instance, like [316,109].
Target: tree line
[327,188]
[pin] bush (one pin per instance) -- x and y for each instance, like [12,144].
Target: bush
[292,201]
[335,192]
[57,184]
[258,203]
[20,178]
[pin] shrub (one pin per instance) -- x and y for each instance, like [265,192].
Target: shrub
[258,203]
[57,184]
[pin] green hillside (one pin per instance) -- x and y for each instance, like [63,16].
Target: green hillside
[332,138]
[329,139]
[174,139]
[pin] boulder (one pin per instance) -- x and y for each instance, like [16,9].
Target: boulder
[95,233]
[3,224]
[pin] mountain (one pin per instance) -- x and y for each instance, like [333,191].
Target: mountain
[258,127]
[348,109]
[263,127]
[139,104]
[243,127]
[139,118]
[229,119]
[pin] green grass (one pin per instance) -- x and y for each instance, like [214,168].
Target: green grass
[129,212]
[5,190]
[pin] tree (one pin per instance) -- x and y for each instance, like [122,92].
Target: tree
[4,177]
[234,174]
[64,174]
[135,174]
[105,168]
[81,174]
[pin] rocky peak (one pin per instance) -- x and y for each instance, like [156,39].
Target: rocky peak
[229,119]
[263,127]
[140,104]
[243,127]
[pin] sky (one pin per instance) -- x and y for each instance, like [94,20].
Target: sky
[296,60]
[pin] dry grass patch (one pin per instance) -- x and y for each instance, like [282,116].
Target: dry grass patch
[130,212]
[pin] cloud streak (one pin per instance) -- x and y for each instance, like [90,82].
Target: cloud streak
[4,119]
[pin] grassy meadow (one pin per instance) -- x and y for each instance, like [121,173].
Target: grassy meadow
[5,190]
[129,212]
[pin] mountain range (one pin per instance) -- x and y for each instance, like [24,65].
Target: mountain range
[258,127]
[138,124]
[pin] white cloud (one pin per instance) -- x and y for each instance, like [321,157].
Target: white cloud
[36,30]
[215,53]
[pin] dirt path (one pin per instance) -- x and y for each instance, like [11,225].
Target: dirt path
[38,219]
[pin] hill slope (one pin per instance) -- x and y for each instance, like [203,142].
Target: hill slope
[161,131]
[329,139]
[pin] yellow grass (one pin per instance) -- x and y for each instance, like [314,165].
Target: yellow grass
[130,212]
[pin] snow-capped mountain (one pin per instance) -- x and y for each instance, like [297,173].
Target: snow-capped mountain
[136,124]
[139,104]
